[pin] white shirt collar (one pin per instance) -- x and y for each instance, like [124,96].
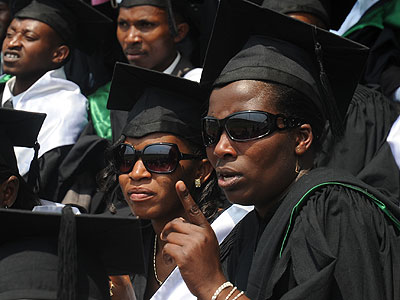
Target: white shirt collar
[9,86]
[172,66]
[7,94]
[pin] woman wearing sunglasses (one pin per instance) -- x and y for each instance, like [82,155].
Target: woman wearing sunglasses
[160,146]
[314,233]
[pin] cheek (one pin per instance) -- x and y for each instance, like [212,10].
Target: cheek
[211,157]
[166,192]
[123,179]
[120,37]
[158,40]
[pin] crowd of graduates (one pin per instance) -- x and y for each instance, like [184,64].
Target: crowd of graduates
[200,149]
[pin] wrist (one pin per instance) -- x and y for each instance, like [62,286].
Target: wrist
[209,290]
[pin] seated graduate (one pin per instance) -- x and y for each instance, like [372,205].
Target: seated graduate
[315,233]
[160,146]
[37,45]
[47,256]
[363,150]
[150,33]
[17,128]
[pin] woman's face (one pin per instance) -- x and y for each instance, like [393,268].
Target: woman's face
[153,196]
[252,172]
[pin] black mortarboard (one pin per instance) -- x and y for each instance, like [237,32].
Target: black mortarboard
[268,46]
[331,13]
[157,102]
[17,128]
[75,21]
[169,5]
[49,256]
[319,8]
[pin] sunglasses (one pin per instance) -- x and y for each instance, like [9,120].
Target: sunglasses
[245,126]
[160,158]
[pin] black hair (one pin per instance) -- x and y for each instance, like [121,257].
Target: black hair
[292,103]
[207,196]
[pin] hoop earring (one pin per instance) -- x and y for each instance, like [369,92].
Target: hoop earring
[197,182]
[297,169]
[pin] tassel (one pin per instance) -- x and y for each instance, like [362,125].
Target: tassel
[328,99]
[171,19]
[34,171]
[67,256]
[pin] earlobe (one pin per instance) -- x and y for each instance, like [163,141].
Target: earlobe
[183,29]
[9,189]
[304,139]
[60,54]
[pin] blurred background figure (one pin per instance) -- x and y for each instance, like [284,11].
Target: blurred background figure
[376,24]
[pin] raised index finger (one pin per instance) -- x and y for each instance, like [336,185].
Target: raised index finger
[191,208]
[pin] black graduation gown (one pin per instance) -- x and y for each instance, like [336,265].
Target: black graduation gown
[363,150]
[337,243]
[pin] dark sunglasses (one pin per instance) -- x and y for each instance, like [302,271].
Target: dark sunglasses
[160,158]
[245,126]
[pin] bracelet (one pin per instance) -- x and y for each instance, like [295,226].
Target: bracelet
[220,289]
[238,295]
[231,292]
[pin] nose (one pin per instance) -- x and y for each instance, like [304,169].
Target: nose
[13,41]
[224,148]
[139,171]
[133,36]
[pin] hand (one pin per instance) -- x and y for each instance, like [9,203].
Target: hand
[192,245]
[122,288]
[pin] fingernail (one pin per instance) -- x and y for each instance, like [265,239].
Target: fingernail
[182,187]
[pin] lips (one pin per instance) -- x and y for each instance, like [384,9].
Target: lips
[140,194]
[228,178]
[10,56]
[134,54]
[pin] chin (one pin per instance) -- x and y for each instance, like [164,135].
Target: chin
[237,197]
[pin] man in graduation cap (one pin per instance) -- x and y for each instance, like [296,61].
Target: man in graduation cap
[149,32]
[17,128]
[37,45]
[363,151]
[315,233]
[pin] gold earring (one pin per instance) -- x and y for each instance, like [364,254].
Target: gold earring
[297,169]
[197,182]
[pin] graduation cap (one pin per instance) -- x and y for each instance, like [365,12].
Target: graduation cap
[268,46]
[169,5]
[66,256]
[332,14]
[157,102]
[75,21]
[17,128]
